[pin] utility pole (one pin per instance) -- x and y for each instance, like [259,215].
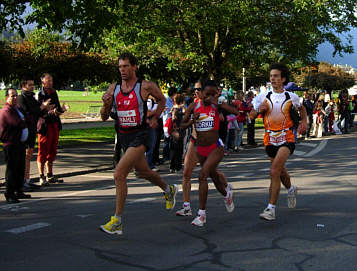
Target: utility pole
[244,82]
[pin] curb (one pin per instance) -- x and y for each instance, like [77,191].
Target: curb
[75,173]
[80,172]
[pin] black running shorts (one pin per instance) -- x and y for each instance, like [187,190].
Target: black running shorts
[272,150]
[31,139]
[135,139]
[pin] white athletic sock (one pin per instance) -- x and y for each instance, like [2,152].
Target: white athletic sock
[228,194]
[201,212]
[119,218]
[27,180]
[291,189]
[186,205]
[271,206]
[167,189]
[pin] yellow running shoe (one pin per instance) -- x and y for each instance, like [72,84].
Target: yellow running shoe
[113,226]
[171,197]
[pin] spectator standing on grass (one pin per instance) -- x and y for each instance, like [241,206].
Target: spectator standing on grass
[330,112]
[232,128]
[343,110]
[309,106]
[251,122]
[32,110]
[243,110]
[319,116]
[13,134]
[48,133]
[159,134]
[177,135]
[169,104]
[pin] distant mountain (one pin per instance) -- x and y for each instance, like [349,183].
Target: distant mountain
[326,50]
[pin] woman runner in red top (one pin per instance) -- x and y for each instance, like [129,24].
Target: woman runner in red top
[209,147]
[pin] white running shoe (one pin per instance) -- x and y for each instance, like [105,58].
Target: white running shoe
[43,181]
[292,197]
[228,201]
[184,212]
[268,214]
[199,220]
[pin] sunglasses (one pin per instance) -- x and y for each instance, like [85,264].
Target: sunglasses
[197,89]
[13,96]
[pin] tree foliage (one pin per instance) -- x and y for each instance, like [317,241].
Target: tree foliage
[216,38]
[42,51]
[328,78]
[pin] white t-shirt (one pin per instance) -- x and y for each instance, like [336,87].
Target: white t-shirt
[277,98]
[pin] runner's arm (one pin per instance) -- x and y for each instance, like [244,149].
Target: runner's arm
[229,108]
[187,121]
[107,99]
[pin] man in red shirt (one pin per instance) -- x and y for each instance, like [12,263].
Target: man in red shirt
[13,134]
[242,116]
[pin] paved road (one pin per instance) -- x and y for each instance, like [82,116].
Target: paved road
[58,228]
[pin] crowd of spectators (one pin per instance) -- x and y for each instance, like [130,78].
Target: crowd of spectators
[328,116]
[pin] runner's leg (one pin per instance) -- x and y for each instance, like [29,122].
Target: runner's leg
[220,181]
[209,166]
[278,163]
[189,164]
[126,163]
[285,178]
[144,171]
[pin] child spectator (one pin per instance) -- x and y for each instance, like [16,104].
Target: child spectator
[319,115]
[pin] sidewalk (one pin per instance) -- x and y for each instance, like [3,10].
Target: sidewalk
[80,159]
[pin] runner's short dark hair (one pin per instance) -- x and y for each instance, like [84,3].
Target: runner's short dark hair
[284,70]
[209,83]
[25,79]
[127,55]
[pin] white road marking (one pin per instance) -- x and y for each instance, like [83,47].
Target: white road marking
[28,228]
[100,176]
[245,174]
[142,200]
[319,148]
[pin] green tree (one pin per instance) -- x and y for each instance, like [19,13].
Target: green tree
[202,36]
[328,77]
[42,51]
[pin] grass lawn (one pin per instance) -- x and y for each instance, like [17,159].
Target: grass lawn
[81,136]
[77,102]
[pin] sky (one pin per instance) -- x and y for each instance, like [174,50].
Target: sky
[326,50]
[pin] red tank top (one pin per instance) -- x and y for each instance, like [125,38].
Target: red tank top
[208,119]
[130,108]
